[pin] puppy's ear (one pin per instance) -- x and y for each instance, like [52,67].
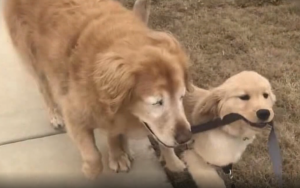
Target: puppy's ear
[209,106]
[114,80]
[142,9]
[273,97]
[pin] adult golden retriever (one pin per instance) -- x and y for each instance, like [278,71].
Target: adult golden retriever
[98,65]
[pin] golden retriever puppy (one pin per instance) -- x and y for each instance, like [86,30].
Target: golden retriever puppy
[246,93]
[98,65]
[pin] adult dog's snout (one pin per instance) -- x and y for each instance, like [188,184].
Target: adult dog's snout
[263,114]
[182,135]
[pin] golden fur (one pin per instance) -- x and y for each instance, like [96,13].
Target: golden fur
[98,65]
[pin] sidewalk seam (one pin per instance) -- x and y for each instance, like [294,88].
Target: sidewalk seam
[30,138]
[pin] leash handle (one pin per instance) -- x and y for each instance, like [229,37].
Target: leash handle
[275,155]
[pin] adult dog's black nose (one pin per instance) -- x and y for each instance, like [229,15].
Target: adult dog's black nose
[263,114]
[182,135]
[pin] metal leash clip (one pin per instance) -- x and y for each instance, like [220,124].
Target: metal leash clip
[230,174]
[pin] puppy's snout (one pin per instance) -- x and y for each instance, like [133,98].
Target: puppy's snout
[263,114]
[182,135]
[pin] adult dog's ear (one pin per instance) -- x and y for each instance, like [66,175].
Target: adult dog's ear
[208,107]
[114,80]
[167,40]
[188,80]
[142,9]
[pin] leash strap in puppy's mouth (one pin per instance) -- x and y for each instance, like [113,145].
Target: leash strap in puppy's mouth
[273,145]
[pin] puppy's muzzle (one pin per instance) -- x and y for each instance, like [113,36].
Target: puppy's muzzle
[263,114]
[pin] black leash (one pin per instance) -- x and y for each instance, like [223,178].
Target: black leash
[273,145]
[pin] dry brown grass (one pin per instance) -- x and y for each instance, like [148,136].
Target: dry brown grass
[248,3]
[225,37]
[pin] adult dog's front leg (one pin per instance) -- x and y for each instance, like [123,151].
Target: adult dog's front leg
[173,163]
[84,139]
[119,158]
[53,109]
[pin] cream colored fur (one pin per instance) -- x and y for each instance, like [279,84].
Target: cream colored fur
[225,145]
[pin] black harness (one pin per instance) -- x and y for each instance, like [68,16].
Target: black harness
[273,146]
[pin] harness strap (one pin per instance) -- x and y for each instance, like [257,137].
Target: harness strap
[228,171]
[273,146]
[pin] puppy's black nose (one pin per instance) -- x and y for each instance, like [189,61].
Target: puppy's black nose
[263,114]
[182,135]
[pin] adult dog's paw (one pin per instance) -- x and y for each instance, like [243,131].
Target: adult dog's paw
[57,121]
[92,171]
[121,163]
[176,165]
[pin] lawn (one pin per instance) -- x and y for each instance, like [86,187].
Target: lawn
[224,37]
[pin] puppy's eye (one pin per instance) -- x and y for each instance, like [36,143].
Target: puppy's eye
[266,95]
[158,103]
[244,97]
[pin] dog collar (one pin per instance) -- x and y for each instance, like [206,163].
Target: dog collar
[273,146]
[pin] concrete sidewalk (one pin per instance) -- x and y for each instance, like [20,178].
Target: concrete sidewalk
[32,152]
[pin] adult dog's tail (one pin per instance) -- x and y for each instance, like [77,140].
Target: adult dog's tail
[142,9]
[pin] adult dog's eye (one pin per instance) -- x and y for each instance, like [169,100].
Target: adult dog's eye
[266,95]
[159,103]
[244,97]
